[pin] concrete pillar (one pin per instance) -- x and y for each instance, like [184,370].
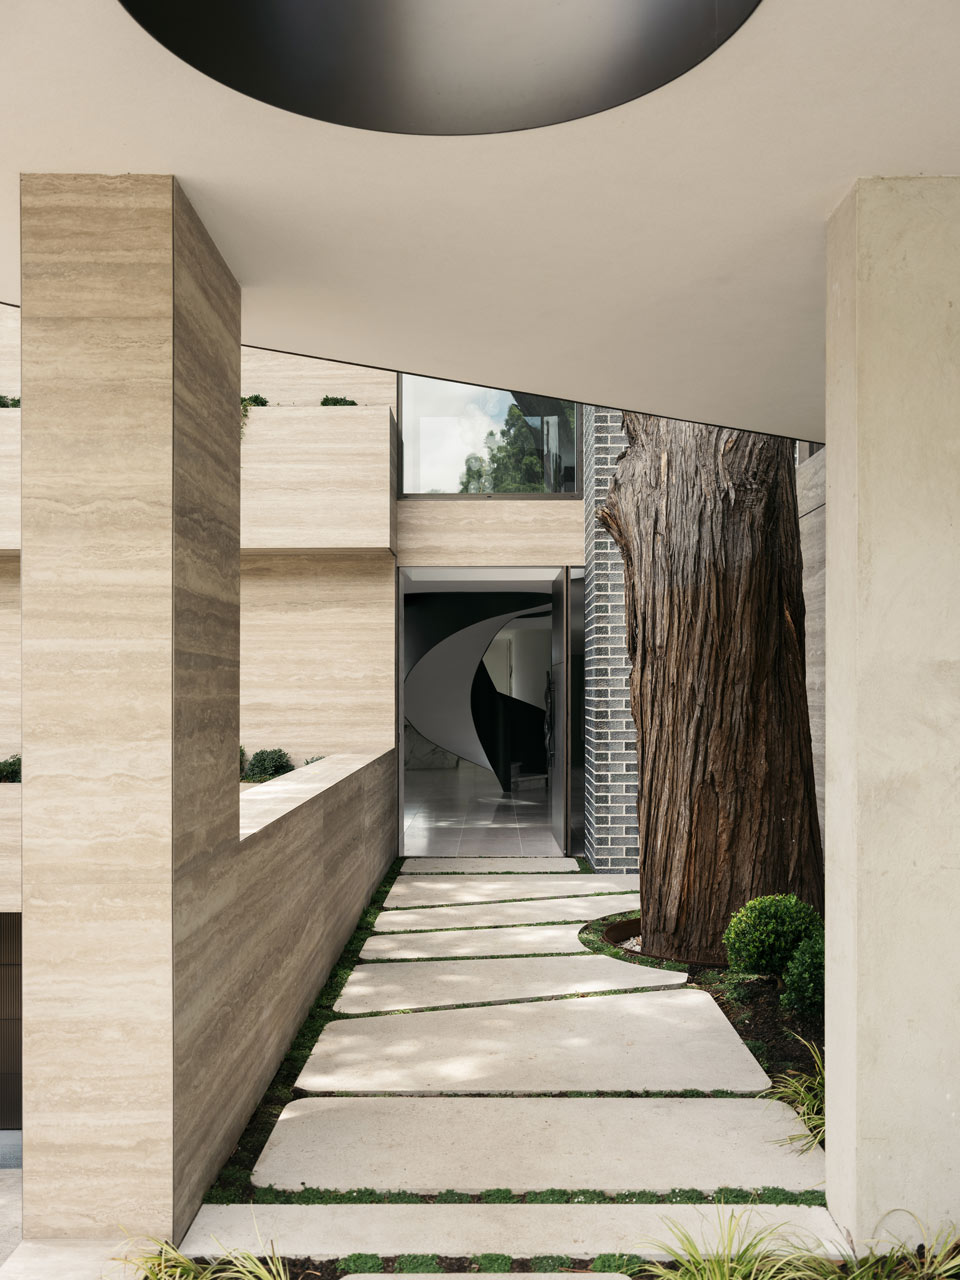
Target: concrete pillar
[893,706]
[130,596]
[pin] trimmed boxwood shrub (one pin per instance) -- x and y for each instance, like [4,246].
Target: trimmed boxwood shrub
[763,935]
[329,401]
[803,977]
[10,769]
[267,764]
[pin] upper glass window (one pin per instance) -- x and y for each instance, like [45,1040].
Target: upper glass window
[463,439]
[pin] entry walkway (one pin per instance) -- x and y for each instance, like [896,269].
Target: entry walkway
[484,1056]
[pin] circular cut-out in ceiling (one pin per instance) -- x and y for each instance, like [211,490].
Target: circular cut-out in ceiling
[442,66]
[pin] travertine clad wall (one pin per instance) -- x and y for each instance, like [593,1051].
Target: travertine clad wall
[505,531]
[9,350]
[317,477]
[10,478]
[317,652]
[206,683]
[893,706]
[9,655]
[130,330]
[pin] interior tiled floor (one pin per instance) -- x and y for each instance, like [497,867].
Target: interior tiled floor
[451,812]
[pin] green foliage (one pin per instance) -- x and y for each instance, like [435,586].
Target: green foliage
[361,1263]
[497,1195]
[551,1262]
[10,769]
[330,402]
[628,1263]
[742,1256]
[514,462]
[803,978]
[314,759]
[243,762]
[739,1255]
[938,1258]
[246,404]
[763,935]
[806,1093]
[418,1262]
[268,763]
[9,402]
[162,1261]
[492,1261]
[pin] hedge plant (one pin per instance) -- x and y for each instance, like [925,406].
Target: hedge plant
[246,403]
[803,977]
[329,401]
[9,402]
[763,935]
[266,764]
[10,769]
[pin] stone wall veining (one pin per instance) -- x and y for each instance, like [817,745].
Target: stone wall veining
[206,675]
[97,609]
[318,652]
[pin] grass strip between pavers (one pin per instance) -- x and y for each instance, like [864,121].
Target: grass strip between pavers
[499,902]
[526,955]
[511,1000]
[496,1263]
[503,1195]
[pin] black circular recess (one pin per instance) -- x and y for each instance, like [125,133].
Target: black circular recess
[442,66]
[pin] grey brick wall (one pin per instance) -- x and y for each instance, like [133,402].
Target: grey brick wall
[610,818]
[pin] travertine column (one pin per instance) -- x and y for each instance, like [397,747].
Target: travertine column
[893,705]
[130,589]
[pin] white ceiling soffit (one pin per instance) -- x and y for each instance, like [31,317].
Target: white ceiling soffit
[667,255]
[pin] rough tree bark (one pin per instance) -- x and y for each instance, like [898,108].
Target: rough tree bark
[706,521]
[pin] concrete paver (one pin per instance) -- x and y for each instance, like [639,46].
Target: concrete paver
[654,1040]
[524,940]
[68,1259]
[378,988]
[533,1144]
[490,914]
[429,891]
[520,1230]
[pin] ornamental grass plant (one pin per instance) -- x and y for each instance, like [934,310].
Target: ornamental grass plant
[806,1093]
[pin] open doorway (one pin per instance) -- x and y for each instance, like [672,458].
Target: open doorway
[492,711]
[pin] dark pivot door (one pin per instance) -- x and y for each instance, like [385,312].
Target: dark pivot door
[566,756]
[557,779]
[10,1036]
[576,749]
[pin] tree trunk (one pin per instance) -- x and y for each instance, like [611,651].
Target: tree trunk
[706,521]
